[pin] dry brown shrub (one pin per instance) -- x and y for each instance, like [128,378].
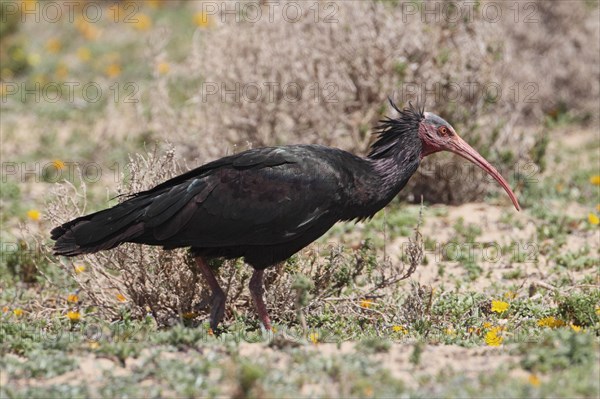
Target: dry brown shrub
[143,279]
[345,71]
[561,52]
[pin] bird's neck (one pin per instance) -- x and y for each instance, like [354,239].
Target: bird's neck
[382,179]
[395,170]
[394,157]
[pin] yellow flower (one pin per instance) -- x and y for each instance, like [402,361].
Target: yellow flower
[449,331]
[121,298]
[6,73]
[203,20]
[575,327]
[73,298]
[18,312]
[499,306]
[73,315]
[40,78]
[366,303]
[593,218]
[53,45]
[163,68]
[534,380]
[84,54]
[18,54]
[492,338]
[58,164]
[550,322]
[314,337]
[93,345]
[61,71]
[113,70]
[143,22]
[79,268]
[510,295]
[189,315]
[400,329]
[88,31]
[28,5]
[155,3]
[595,180]
[34,214]
[5,309]
[34,59]
[487,325]
[598,310]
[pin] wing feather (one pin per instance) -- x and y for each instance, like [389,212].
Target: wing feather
[253,204]
[259,197]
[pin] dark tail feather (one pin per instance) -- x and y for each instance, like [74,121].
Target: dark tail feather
[66,243]
[101,230]
[161,213]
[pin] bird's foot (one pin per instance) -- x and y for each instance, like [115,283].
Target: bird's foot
[217,300]
[257,290]
[266,323]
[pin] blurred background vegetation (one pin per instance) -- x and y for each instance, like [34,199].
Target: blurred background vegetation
[501,81]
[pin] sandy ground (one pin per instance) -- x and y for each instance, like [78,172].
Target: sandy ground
[435,359]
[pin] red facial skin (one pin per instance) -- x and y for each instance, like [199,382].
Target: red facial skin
[436,137]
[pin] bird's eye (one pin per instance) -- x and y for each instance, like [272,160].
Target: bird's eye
[444,131]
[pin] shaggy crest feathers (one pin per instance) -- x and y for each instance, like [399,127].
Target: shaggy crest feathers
[391,131]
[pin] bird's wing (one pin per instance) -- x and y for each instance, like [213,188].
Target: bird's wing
[259,197]
[264,196]
[266,156]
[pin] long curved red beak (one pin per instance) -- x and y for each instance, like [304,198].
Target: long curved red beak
[460,147]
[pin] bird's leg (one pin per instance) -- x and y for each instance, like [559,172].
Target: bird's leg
[257,291]
[217,310]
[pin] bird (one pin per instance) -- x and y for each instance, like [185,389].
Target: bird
[266,204]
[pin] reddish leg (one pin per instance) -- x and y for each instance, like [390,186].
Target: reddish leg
[257,291]
[217,310]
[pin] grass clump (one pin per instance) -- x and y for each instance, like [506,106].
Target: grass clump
[39,364]
[374,345]
[581,309]
[558,350]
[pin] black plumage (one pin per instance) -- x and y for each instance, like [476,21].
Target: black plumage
[263,204]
